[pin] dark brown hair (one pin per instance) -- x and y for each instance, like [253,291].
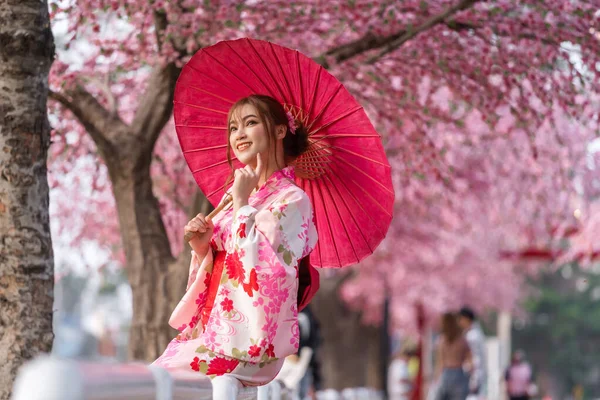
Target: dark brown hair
[450,328]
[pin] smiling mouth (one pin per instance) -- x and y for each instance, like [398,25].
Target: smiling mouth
[243,146]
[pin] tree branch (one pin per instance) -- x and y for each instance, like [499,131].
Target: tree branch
[368,42]
[371,41]
[160,25]
[428,24]
[156,104]
[103,126]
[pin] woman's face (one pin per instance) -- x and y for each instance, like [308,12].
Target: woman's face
[248,136]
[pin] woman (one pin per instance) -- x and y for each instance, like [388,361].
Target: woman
[453,355]
[239,316]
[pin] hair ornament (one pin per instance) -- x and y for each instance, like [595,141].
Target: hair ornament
[291,122]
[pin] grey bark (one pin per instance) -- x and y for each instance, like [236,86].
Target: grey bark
[26,258]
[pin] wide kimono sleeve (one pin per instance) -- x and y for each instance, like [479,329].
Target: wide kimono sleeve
[194,299]
[256,319]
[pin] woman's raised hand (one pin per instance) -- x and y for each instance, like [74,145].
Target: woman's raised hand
[245,180]
[202,229]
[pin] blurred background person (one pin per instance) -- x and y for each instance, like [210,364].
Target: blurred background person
[476,340]
[518,377]
[452,357]
[399,380]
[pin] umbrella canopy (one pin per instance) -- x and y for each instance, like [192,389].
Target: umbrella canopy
[344,172]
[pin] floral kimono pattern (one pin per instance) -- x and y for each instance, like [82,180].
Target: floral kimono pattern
[251,322]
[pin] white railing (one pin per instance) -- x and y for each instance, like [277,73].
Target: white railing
[47,378]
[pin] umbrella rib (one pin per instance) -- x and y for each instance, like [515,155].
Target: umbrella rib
[361,156]
[297,56]
[209,166]
[205,148]
[340,216]
[350,112]
[268,71]
[314,94]
[359,203]
[351,215]
[251,70]
[281,69]
[213,79]
[363,173]
[337,255]
[310,184]
[228,70]
[337,90]
[345,135]
[200,126]
[200,107]
[211,94]
[216,191]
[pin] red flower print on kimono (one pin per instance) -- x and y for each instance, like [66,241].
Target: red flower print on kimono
[270,351]
[227,305]
[194,321]
[219,366]
[254,351]
[242,231]
[195,364]
[235,268]
[253,284]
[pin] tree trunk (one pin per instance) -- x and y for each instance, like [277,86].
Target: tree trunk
[157,279]
[26,258]
[351,351]
[147,251]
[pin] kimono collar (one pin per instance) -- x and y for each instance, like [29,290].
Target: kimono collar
[282,174]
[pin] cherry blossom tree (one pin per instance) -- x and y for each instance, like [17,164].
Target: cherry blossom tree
[486,109]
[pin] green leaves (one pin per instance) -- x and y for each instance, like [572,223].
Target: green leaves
[236,353]
[287,257]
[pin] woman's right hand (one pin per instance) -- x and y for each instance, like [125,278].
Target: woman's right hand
[202,229]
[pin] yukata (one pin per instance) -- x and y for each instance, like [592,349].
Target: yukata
[242,319]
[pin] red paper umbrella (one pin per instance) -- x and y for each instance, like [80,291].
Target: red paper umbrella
[344,172]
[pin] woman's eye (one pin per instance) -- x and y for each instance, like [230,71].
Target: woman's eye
[233,129]
[251,123]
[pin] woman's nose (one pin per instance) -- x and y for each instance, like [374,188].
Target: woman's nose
[240,134]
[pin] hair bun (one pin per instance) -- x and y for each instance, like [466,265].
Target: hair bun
[295,144]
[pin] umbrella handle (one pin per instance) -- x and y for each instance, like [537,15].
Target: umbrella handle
[190,235]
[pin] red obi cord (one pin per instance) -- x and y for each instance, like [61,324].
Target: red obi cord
[213,286]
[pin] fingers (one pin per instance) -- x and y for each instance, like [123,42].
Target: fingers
[199,224]
[246,172]
[259,165]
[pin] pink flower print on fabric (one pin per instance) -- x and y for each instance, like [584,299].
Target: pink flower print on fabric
[210,337]
[201,300]
[172,350]
[259,302]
